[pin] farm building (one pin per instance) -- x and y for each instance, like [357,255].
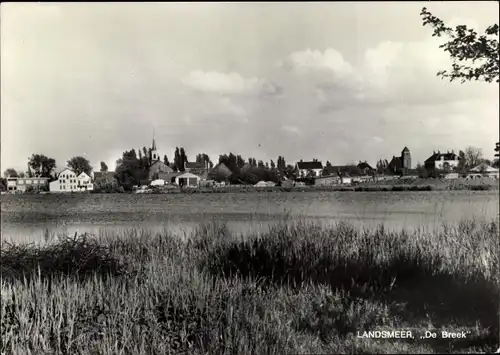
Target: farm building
[21,184]
[187,179]
[485,170]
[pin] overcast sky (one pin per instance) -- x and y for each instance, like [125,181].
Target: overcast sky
[334,81]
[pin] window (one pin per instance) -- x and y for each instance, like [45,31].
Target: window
[21,182]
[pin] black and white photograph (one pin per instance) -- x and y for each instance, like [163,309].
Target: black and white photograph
[249,178]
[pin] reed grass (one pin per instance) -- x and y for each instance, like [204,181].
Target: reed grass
[299,288]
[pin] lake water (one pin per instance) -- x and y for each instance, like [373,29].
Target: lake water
[28,217]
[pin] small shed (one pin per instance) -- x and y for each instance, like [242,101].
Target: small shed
[187,179]
[261,184]
[157,182]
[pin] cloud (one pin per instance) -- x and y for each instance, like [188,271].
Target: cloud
[291,129]
[329,60]
[221,83]
[277,88]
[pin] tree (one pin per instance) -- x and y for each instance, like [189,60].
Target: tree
[42,166]
[382,166]
[104,167]
[273,166]
[183,159]
[29,173]
[466,45]
[281,165]
[21,174]
[79,165]
[472,157]
[232,162]
[165,160]
[129,171]
[3,184]
[240,162]
[328,164]
[177,160]
[290,172]
[10,173]
[497,150]
[422,171]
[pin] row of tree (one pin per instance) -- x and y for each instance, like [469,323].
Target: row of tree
[43,166]
[133,167]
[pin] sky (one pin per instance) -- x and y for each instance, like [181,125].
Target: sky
[335,81]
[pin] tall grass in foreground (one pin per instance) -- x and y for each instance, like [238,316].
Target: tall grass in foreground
[299,288]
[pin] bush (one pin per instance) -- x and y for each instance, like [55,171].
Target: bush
[29,189]
[109,187]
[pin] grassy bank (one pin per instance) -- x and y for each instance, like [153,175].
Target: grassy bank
[299,288]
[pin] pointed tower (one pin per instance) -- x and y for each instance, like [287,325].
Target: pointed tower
[154,152]
[406,158]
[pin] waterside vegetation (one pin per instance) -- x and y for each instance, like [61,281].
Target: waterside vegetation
[298,288]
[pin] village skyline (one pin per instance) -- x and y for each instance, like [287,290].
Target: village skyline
[280,82]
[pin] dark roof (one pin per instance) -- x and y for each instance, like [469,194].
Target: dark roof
[160,162]
[396,163]
[167,175]
[336,169]
[364,165]
[437,156]
[194,165]
[405,149]
[310,165]
[221,169]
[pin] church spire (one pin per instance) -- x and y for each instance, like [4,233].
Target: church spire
[154,143]
[154,153]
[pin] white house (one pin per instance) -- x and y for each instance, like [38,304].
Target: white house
[67,181]
[187,179]
[84,182]
[304,167]
[443,161]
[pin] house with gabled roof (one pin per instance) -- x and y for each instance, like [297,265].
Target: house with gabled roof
[484,169]
[303,168]
[442,161]
[157,167]
[220,172]
[365,168]
[68,181]
[198,168]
